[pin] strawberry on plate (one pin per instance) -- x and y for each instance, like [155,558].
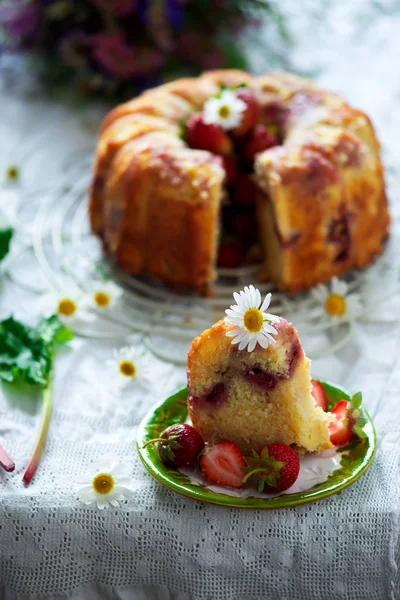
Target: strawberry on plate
[319,394]
[250,115]
[207,136]
[275,468]
[223,463]
[349,421]
[178,445]
[340,428]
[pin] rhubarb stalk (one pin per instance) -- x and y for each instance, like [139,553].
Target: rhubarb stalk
[41,439]
[5,460]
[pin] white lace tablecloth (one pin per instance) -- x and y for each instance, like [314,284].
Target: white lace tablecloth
[158,544]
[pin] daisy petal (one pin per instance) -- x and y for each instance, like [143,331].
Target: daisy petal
[252,343]
[266,303]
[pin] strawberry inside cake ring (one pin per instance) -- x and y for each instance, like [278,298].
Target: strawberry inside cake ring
[228,169]
[249,382]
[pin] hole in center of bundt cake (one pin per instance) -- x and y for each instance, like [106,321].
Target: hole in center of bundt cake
[257,128]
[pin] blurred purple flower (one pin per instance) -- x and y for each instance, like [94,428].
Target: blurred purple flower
[19,18]
[175,13]
[114,55]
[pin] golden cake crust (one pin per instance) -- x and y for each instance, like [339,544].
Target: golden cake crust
[322,207]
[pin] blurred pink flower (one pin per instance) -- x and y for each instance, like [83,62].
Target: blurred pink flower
[118,7]
[114,55]
[19,18]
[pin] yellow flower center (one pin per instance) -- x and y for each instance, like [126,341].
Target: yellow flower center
[253,320]
[12,172]
[127,368]
[224,111]
[66,307]
[335,305]
[102,299]
[103,483]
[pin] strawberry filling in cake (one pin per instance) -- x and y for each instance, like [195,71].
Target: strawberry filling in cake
[256,388]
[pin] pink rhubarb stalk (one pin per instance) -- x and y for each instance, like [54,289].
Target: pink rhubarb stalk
[41,439]
[5,460]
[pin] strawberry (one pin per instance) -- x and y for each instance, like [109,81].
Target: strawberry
[340,428]
[349,421]
[178,445]
[319,394]
[275,468]
[230,254]
[223,463]
[207,136]
[250,115]
[259,139]
[229,165]
[245,190]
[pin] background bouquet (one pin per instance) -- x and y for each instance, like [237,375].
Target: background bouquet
[118,47]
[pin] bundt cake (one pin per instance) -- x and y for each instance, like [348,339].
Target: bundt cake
[251,394]
[228,169]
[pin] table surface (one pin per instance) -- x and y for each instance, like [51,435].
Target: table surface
[159,544]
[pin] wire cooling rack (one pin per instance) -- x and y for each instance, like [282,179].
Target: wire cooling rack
[55,245]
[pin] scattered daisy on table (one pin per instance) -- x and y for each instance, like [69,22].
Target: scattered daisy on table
[105,295]
[106,484]
[335,301]
[70,304]
[128,365]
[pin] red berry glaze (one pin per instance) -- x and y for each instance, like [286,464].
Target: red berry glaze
[341,428]
[207,136]
[230,254]
[179,445]
[223,463]
[229,165]
[259,139]
[250,115]
[319,394]
[245,190]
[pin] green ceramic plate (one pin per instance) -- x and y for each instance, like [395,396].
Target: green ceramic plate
[354,459]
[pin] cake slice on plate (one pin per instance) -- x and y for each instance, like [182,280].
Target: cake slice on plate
[249,381]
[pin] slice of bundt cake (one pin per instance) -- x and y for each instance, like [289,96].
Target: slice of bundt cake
[249,381]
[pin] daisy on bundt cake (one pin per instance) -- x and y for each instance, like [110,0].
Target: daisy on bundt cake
[249,381]
[226,170]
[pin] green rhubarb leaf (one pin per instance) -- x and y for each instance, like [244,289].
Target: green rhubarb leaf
[26,353]
[6,233]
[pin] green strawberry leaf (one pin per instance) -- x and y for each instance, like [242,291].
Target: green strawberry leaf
[358,430]
[356,401]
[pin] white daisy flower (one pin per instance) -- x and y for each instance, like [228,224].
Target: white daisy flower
[335,301]
[105,295]
[250,320]
[70,304]
[107,484]
[226,110]
[129,364]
